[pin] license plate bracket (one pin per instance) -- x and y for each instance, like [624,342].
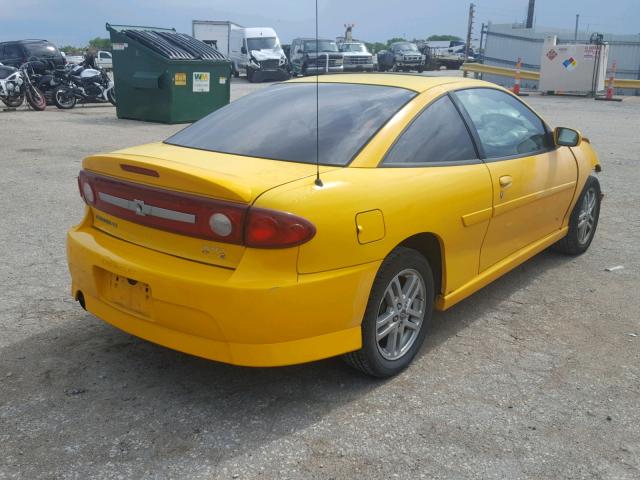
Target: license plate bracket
[127,293]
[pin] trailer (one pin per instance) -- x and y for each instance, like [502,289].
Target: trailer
[215,33]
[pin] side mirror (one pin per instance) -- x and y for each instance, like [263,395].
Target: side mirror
[244,50]
[566,137]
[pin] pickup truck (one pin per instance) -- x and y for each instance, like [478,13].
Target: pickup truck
[401,56]
[356,57]
[104,60]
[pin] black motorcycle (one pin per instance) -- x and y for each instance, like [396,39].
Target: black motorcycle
[48,79]
[84,84]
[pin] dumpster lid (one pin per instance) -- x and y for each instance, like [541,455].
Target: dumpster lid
[168,43]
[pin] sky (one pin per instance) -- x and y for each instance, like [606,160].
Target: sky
[74,22]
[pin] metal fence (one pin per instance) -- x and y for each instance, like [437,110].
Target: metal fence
[504,43]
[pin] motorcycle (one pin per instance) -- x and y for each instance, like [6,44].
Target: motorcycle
[50,78]
[17,83]
[85,84]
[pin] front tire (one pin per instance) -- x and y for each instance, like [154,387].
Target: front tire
[399,308]
[35,98]
[583,221]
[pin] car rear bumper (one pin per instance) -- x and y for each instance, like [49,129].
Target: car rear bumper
[410,64]
[322,69]
[249,316]
[271,75]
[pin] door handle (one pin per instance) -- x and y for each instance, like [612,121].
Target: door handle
[506,181]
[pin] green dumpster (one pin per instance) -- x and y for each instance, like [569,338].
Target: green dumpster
[164,76]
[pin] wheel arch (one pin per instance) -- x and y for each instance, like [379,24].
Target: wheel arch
[430,246]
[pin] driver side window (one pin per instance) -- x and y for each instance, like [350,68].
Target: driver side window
[506,127]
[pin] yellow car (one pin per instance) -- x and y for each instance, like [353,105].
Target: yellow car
[254,238]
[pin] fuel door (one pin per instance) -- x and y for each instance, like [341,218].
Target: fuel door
[370,226]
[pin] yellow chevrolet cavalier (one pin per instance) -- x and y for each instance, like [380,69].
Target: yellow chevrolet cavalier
[222,243]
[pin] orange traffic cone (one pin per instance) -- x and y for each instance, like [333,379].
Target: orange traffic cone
[610,82]
[612,78]
[516,84]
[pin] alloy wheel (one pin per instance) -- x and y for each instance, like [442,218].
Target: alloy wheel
[586,217]
[400,314]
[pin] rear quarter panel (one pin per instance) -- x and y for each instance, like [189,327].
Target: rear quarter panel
[412,200]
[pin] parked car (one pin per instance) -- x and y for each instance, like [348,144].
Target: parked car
[401,56]
[356,57]
[15,53]
[309,58]
[232,240]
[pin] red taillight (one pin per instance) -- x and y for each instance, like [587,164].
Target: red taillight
[86,191]
[166,210]
[194,216]
[273,229]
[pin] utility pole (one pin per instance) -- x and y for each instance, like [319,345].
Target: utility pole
[532,6]
[483,30]
[575,34]
[467,49]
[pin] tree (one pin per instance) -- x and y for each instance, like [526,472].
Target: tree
[71,50]
[100,43]
[375,46]
[444,38]
[394,40]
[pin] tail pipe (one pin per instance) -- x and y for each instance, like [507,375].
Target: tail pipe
[80,299]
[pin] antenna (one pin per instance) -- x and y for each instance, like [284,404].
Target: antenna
[318,181]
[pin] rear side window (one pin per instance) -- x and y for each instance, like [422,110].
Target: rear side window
[12,51]
[279,122]
[41,50]
[437,135]
[505,125]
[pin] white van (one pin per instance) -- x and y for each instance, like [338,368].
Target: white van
[257,52]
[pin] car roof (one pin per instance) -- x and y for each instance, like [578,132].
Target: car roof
[417,83]
[306,39]
[28,40]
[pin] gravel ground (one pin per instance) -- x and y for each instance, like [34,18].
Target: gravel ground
[537,376]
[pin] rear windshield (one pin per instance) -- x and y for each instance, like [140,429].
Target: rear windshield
[41,49]
[279,122]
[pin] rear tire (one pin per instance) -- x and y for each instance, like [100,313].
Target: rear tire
[399,308]
[583,221]
[63,100]
[111,96]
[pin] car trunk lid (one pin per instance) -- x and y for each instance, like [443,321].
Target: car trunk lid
[158,195]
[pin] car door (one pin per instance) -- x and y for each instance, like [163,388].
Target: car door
[447,186]
[533,181]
